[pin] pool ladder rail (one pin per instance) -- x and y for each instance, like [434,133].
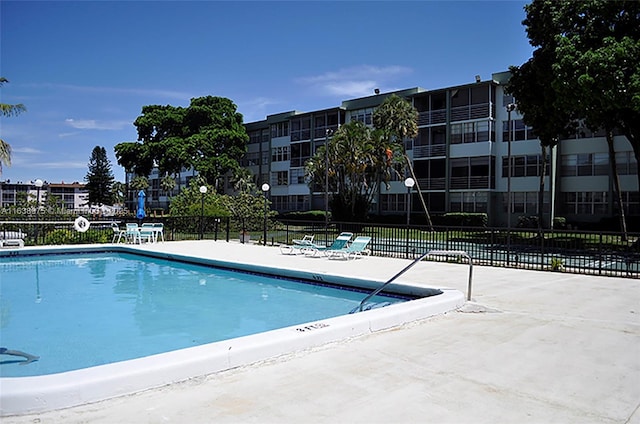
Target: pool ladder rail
[458,253]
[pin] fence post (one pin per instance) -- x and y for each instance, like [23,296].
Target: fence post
[600,256]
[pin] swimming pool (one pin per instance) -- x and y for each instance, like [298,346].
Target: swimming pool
[195,357]
[82,310]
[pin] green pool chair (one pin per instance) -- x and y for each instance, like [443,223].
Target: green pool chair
[353,251]
[341,242]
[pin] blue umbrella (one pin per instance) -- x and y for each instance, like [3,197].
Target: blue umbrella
[140,213]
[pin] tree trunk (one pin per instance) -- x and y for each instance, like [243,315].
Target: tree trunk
[616,185]
[424,204]
[543,170]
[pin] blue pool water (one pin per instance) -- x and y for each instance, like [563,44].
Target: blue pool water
[83,310]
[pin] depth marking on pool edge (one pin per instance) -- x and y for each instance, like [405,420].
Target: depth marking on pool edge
[312,327]
[317,277]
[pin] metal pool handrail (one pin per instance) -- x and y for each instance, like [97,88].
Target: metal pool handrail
[421,257]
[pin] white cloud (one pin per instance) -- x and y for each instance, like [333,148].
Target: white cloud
[255,109]
[92,124]
[68,134]
[26,150]
[355,81]
[116,90]
[60,165]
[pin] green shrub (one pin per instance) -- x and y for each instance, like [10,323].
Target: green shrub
[465,219]
[559,223]
[64,236]
[530,221]
[303,216]
[557,264]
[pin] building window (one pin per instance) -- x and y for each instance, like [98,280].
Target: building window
[363,115]
[584,164]
[524,166]
[470,132]
[525,203]
[280,154]
[586,202]
[280,178]
[255,137]
[281,129]
[300,153]
[626,163]
[250,159]
[297,176]
[393,202]
[631,200]
[468,201]
[519,131]
[472,173]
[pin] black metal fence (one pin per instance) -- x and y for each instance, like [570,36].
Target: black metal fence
[559,250]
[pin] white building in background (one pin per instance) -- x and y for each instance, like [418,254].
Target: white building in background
[460,158]
[71,197]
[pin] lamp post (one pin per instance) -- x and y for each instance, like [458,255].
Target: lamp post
[38,183]
[203,191]
[265,189]
[510,108]
[408,183]
[326,178]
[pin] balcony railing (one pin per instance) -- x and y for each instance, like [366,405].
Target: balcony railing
[429,151]
[432,183]
[458,183]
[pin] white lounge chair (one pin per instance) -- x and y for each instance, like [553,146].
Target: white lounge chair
[299,246]
[12,239]
[117,233]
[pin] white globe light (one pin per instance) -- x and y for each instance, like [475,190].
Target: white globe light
[409,182]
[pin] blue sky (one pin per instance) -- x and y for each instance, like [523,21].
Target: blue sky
[84,70]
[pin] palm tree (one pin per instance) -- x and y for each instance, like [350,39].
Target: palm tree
[7,110]
[398,120]
[243,181]
[355,162]
[5,154]
[119,191]
[139,183]
[167,184]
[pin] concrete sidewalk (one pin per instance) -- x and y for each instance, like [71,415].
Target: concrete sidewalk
[532,346]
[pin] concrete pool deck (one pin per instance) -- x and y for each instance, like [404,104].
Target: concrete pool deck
[531,346]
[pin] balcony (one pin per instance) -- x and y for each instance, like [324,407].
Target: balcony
[459,183]
[460,113]
[429,151]
[432,183]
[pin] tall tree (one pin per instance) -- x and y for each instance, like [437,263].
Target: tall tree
[207,136]
[216,138]
[536,99]
[99,178]
[7,110]
[398,120]
[593,47]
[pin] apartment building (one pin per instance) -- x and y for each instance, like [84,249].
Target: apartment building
[460,158]
[70,196]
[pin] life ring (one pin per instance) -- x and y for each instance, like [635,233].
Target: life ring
[81,224]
